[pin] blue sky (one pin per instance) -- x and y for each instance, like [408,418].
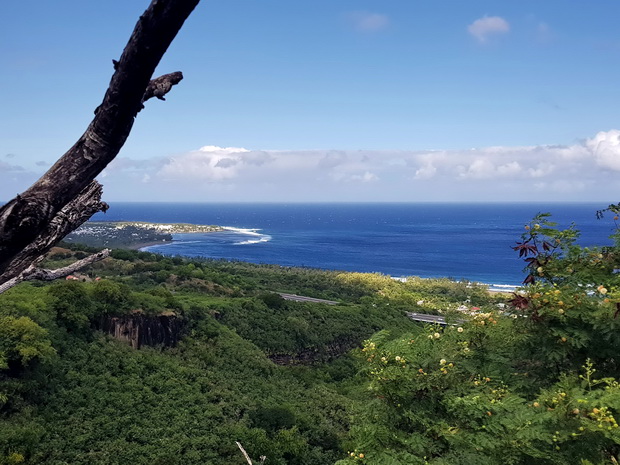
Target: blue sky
[343,100]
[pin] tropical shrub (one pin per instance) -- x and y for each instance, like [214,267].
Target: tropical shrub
[533,385]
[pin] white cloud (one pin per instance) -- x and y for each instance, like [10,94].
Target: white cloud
[583,171]
[209,163]
[226,163]
[479,169]
[365,21]
[509,169]
[332,159]
[426,171]
[221,150]
[605,147]
[541,170]
[487,26]
[366,177]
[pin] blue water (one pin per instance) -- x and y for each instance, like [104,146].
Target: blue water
[461,241]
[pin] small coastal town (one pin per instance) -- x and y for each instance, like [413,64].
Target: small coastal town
[131,234]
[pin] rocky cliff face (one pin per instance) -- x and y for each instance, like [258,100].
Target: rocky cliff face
[138,329]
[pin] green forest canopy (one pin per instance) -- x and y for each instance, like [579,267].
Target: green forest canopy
[531,381]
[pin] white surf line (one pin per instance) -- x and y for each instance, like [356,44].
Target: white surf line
[249,232]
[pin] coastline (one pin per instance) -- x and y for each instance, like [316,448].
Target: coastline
[492,288]
[169,228]
[143,245]
[133,235]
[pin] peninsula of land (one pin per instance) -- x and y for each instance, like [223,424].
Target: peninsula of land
[132,234]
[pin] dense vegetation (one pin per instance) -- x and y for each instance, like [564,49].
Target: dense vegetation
[532,382]
[537,385]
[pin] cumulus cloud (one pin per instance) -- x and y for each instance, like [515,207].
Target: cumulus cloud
[541,170]
[426,171]
[366,177]
[585,170]
[209,163]
[488,26]
[332,159]
[480,168]
[605,147]
[365,21]
[226,163]
[509,169]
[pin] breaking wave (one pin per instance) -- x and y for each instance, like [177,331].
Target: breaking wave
[259,237]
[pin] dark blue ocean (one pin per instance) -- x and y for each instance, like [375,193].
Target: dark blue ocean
[461,241]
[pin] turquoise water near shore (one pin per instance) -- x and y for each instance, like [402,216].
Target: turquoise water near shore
[461,241]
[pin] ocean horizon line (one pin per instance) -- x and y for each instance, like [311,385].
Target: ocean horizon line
[364,202]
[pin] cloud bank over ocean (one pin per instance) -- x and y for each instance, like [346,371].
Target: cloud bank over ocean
[585,170]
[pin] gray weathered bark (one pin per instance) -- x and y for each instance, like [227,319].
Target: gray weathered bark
[32,272]
[67,195]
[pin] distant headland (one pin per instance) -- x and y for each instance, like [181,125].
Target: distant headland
[132,234]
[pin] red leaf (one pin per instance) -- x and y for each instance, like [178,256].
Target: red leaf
[529,280]
[520,302]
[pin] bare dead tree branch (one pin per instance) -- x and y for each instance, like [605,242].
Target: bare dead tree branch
[32,272]
[245,454]
[247,457]
[71,216]
[32,222]
[160,86]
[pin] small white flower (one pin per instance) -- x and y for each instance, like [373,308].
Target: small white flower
[459,329]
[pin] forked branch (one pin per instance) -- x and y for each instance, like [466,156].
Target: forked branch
[32,272]
[67,195]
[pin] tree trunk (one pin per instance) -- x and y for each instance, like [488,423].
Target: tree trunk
[67,195]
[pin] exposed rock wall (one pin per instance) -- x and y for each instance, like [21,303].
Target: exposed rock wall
[138,329]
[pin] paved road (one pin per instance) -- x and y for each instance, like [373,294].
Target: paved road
[421,317]
[424,318]
[300,298]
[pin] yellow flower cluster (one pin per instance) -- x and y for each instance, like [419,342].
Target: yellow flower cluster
[554,301]
[369,346]
[482,318]
[481,380]
[498,394]
[603,417]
